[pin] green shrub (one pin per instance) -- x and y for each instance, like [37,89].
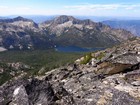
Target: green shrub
[86,59]
[100,56]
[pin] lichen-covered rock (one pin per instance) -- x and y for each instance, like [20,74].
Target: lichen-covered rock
[40,92]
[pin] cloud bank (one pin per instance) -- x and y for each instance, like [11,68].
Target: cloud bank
[104,6]
[82,9]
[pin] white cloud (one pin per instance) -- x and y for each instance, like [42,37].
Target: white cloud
[131,7]
[103,6]
[82,9]
[23,8]
[5,10]
[3,7]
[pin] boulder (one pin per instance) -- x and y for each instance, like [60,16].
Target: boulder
[20,96]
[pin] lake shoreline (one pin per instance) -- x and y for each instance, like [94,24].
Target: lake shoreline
[76,49]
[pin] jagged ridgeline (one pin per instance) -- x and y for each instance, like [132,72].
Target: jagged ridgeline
[21,33]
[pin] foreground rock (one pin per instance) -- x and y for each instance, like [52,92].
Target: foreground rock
[114,79]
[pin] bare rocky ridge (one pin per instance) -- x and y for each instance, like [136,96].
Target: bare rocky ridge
[110,77]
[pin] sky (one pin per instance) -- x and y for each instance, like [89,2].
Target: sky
[118,8]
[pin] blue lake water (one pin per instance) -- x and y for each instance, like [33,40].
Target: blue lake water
[76,49]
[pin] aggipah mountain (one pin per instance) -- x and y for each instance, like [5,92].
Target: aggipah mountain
[21,33]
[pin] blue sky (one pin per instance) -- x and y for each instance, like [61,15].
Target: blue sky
[127,8]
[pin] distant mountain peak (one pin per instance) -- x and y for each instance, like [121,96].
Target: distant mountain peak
[130,25]
[63,18]
[19,18]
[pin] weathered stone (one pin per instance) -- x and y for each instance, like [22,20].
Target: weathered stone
[136,83]
[20,96]
[40,92]
[112,68]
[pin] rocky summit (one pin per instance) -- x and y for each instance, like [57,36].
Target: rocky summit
[107,77]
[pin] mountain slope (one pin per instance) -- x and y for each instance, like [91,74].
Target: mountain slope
[130,25]
[68,30]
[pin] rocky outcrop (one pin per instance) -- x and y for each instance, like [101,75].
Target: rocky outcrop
[20,96]
[116,59]
[10,70]
[71,86]
[27,92]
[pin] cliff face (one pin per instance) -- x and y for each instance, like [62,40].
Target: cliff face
[108,77]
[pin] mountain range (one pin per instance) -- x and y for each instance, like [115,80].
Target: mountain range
[22,33]
[131,25]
